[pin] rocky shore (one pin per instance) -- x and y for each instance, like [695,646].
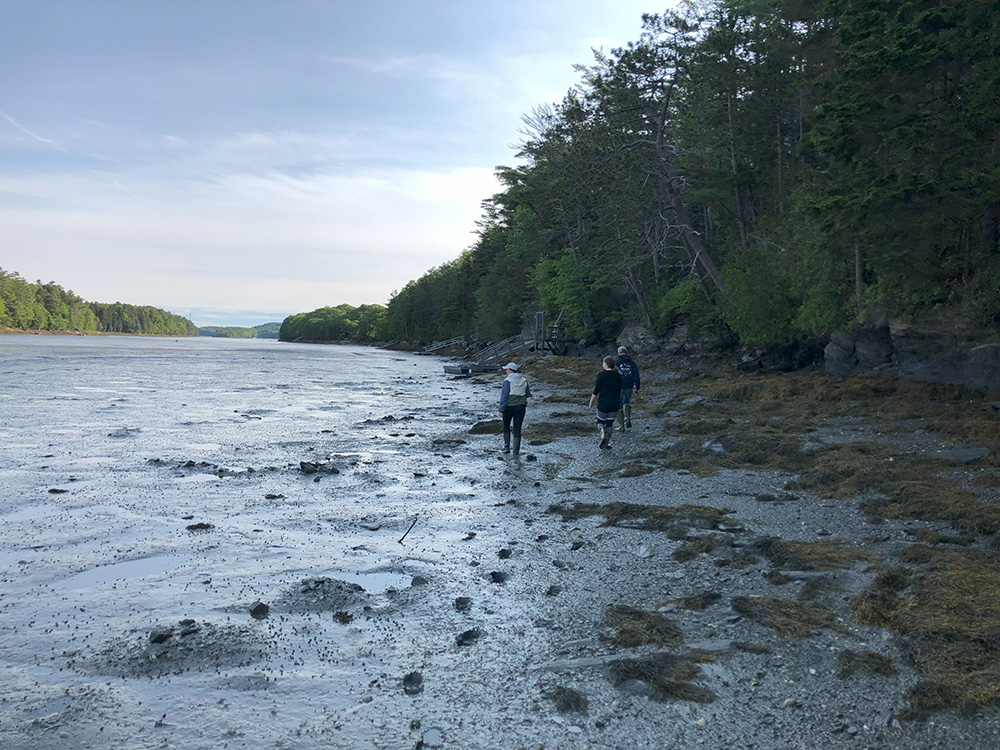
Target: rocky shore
[765,560]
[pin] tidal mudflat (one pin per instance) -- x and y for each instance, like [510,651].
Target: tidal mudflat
[248,544]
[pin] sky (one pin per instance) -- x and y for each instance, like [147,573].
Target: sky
[239,161]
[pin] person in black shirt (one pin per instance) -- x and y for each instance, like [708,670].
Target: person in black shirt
[607,393]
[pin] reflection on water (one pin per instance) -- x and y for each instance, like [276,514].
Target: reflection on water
[375,582]
[123,571]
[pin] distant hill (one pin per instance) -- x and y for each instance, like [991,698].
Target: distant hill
[265,331]
[49,307]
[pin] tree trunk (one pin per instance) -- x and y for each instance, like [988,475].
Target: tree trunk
[672,184]
[692,243]
[635,284]
[859,278]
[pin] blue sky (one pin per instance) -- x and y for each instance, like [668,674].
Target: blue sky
[237,161]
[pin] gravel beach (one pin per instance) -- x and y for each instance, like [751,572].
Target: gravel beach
[428,591]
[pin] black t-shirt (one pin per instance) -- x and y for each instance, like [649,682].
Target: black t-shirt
[608,389]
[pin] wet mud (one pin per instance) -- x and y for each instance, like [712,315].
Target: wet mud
[315,547]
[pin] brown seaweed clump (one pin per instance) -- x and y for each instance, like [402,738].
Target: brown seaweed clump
[809,556]
[666,677]
[633,627]
[789,619]
[673,520]
[850,663]
[948,625]
[567,700]
[697,602]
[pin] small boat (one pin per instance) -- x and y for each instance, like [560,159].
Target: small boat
[467,369]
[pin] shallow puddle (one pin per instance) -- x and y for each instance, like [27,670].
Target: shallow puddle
[375,582]
[104,574]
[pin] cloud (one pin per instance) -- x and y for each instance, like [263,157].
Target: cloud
[364,235]
[24,130]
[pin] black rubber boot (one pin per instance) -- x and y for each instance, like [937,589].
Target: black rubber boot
[606,439]
[517,445]
[628,416]
[506,442]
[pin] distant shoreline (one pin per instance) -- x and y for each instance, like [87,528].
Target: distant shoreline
[40,332]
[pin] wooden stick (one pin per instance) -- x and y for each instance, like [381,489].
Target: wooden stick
[409,529]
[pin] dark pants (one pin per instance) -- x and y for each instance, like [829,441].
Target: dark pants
[513,415]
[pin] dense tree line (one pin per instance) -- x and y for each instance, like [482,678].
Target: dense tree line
[264,331]
[49,307]
[765,170]
[364,324]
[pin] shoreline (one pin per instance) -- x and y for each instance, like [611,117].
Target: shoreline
[42,332]
[709,582]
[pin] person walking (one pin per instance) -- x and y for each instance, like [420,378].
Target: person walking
[607,393]
[630,382]
[514,395]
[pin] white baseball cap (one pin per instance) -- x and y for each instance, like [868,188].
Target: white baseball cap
[510,366]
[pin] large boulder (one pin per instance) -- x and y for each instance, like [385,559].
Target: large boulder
[638,339]
[938,348]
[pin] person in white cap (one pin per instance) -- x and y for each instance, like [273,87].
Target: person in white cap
[513,403]
[630,381]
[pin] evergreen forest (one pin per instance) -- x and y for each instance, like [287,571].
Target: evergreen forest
[49,307]
[364,324]
[264,331]
[764,171]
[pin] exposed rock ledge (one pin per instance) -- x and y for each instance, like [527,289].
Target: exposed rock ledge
[936,349]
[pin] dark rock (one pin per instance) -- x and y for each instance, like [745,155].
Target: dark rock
[413,683]
[309,467]
[200,526]
[469,637]
[272,496]
[161,635]
[554,590]
[873,348]
[57,491]
[504,554]
[463,603]
[418,581]
[259,610]
[937,347]
[498,576]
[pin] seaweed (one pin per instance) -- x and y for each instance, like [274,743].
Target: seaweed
[850,663]
[669,677]
[809,556]
[653,517]
[789,619]
[632,627]
[567,700]
[948,625]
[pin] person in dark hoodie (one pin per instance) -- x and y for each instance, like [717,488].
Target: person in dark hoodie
[630,382]
[513,403]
